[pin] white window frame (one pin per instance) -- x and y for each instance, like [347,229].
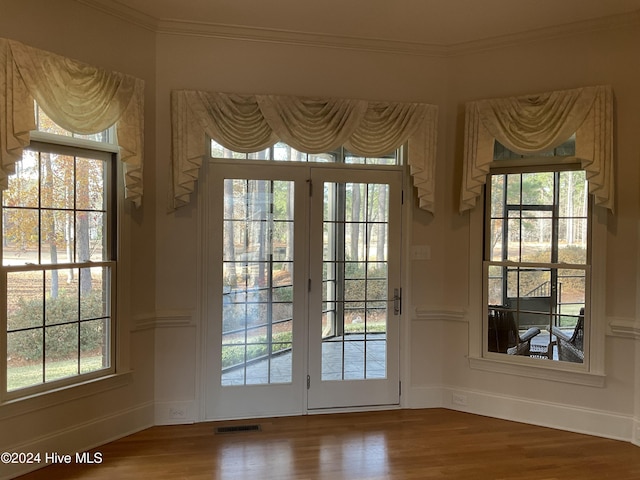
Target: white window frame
[73,145]
[592,371]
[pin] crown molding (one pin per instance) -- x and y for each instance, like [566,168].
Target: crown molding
[297,38]
[123,12]
[613,22]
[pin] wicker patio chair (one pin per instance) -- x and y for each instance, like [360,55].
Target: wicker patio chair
[571,346]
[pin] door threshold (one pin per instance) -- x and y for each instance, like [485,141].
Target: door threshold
[365,408]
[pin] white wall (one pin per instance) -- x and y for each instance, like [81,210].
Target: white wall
[78,418]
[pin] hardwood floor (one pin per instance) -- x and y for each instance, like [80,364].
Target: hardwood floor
[399,444]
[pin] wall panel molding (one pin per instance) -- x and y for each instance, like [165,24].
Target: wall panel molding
[163,319]
[429,313]
[624,327]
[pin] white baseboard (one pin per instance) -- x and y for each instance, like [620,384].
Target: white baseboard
[546,414]
[636,432]
[82,437]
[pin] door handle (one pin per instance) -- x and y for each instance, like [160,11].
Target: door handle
[397,301]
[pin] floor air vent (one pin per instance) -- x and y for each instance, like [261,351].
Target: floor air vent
[238,429]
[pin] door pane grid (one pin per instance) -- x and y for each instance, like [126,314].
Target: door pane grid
[258,282]
[355,281]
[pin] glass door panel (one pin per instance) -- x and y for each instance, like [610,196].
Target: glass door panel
[257,286]
[353,324]
[355,284]
[255,334]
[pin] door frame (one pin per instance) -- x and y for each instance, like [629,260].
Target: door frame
[202,328]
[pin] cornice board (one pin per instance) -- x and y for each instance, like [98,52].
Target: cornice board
[287,37]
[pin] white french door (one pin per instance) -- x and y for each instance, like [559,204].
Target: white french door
[354,301]
[301,270]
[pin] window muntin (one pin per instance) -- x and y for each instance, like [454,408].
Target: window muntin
[282,152]
[58,267]
[537,257]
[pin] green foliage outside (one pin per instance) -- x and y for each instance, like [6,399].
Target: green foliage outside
[28,375]
[61,341]
[235,354]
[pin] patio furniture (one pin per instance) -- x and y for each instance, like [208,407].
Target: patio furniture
[571,345]
[504,335]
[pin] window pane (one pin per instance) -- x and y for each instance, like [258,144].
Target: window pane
[495,294]
[534,282]
[537,246]
[537,188]
[377,251]
[285,153]
[58,232]
[513,245]
[377,270]
[513,189]
[61,298]
[24,300]
[23,185]
[57,181]
[21,229]
[573,241]
[91,240]
[390,159]
[281,152]
[24,359]
[572,285]
[90,184]
[94,292]
[61,352]
[497,195]
[495,240]
[573,201]
[354,290]
[376,290]
[94,350]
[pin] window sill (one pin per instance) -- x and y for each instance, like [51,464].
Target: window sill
[48,399]
[553,372]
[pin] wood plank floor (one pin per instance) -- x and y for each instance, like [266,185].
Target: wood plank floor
[400,444]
